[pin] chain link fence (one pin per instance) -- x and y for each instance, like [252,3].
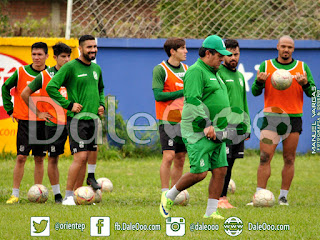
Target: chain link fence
[241,19]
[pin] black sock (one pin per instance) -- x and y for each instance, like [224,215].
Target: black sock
[227,177]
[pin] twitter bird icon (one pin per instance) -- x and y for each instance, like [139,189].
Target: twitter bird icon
[40,226]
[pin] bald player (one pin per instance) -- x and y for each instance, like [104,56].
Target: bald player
[289,101]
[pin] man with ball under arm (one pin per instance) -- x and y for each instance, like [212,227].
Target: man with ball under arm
[288,102]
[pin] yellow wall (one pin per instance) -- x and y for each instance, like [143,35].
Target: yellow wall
[20,48]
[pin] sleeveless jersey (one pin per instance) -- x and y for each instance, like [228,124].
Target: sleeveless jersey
[171,110]
[20,110]
[59,114]
[289,100]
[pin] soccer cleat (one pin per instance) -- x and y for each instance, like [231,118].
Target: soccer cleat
[58,198]
[249,204]
[93,183]
[214,215]
[283,201]
[68,201]
[12,200]
[165,205]
[224,203]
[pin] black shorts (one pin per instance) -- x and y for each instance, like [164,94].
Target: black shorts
[55,148]
[31,136]
[235,151]
[170,138]
[82,135]
[272,123]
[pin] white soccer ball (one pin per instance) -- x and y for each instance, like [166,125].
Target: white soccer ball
[231,186]
[84,195]
[98,196]
[281,79]
[263,198]
[182,198]
[38,193]
[272,125]
[105,184]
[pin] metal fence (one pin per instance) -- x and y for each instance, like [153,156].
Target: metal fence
[242,19]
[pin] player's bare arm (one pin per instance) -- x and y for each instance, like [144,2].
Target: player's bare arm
[76,108]
[262,76]
[301,78]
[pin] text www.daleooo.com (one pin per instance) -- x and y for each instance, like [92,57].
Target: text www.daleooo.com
[136,227]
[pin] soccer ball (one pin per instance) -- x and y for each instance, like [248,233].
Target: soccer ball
[272,125]
[231,125]
[98,196]
[84,195]
[231,186]
[105,184]
[263,198]
[281,79]
[182,198]
[38,193]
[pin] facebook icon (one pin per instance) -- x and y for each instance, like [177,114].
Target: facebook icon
[100,226]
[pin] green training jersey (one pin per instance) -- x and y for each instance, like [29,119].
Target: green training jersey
[237,94]
[205,95]
[84,85]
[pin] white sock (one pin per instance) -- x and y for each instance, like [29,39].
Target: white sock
[283,193]
[69,193]
[91,168]
[258,188]
[56,189]
[164,189]
[173,193]
[211,206]
[15,192]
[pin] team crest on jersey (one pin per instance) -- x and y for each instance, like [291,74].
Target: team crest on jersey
[95,75]
[180,74]
[241,82]
[51,74]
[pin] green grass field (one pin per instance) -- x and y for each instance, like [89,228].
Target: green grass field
[136,198]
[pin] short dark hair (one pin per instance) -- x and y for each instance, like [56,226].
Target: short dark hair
[231,43]
[173,43]
[42,45]
[202,51]
[85,38]
[60,47]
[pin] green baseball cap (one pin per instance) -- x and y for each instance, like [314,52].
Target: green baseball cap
[215,42]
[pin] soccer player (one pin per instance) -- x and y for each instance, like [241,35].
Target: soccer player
[291,102]
[205,96]
[49,111]
[167,85]
[235,83]
[83,81]
[19,112]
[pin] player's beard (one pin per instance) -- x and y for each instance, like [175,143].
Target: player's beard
[86,56]
[231,64]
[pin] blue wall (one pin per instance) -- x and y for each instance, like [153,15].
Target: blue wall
[127,66]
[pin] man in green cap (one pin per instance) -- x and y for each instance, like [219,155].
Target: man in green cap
[205,96]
